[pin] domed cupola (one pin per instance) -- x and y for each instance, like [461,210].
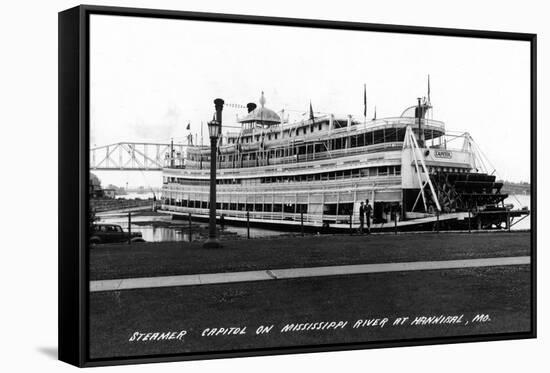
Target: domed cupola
[261,115]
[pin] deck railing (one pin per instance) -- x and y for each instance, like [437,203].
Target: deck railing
[428,124]
[300,158]
[294,217]
[359,125]
[386,180]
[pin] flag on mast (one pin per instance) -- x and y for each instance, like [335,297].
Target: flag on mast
[374,113]
[365,101]
[311,111]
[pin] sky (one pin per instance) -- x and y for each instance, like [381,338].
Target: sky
[150,77]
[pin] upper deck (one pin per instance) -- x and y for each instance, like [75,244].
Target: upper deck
[324,137]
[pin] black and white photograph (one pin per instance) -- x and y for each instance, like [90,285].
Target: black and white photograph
[256,187]
[286,186]
[274,186]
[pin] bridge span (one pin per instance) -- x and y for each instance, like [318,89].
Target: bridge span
[134,156]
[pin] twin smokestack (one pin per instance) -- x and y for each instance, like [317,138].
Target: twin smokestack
[251,106]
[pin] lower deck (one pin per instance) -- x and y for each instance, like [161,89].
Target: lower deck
[326,223]
[321,202]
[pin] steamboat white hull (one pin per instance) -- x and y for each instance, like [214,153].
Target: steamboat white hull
[317,173]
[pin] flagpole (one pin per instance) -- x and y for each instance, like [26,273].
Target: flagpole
[365,104]
[429,98]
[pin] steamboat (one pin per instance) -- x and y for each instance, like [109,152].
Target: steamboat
[316,172]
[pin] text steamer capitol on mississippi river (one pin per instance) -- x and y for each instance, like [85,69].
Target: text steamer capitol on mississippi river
[316,172]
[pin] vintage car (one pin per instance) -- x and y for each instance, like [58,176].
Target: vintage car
[112,233]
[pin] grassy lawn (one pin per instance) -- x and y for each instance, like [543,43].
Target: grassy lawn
[178,258]
[501,292]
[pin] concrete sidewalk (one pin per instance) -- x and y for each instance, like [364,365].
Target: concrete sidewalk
[290,273]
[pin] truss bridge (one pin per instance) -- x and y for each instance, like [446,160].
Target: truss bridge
[135,156]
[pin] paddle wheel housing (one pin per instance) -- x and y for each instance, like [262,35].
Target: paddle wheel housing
[459,192]
[476,193]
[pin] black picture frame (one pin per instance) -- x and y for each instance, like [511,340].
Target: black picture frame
[74,126]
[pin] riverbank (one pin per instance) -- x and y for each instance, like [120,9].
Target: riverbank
[181,258]
[111,205]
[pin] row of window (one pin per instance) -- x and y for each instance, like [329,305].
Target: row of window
[289,208]
[342,208]
[337,175]
[333,175]
[353,141]
[300,130]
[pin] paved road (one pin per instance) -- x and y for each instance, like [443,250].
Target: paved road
[278,274]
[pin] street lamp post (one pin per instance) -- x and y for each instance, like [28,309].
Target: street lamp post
[214,130]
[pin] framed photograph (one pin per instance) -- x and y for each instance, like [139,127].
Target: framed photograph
[237,185]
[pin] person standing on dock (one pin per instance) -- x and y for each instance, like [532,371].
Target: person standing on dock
[361,217]
[368,212]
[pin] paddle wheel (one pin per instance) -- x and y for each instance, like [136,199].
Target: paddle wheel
[479,194]
[459,192]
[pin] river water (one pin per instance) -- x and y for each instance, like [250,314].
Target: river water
[153,233]
[519,201]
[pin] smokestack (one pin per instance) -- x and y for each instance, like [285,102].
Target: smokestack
[218,104]
[251,106]
[420,111]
